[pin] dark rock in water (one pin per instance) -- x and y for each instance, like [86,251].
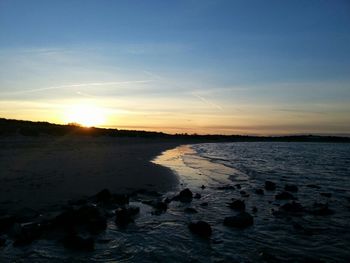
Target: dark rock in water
[200,228]
[76,242]
[284,196]
[259,191]
[204,204]
[320,209]
[293,208]
[27,233]
[254,209]
[87,215]
[197,196]
[79,202]
[244,193]
[313,186]
[242,220]
[184,196]
[238,205]
[328,195]
[238,186]
[203,187]
[103,196]
[190,210]
[302,229]
[270,186]
[120,199]
[148,192]
[159,206]
[98,224]
[226,187]
[291,188]
[126,215]
[6,222]
[2,241]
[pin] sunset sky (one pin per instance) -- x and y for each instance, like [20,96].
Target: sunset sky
[228,67]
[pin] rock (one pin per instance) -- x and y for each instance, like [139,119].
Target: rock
[328,195]
[126,215]
[87,215]
[291,188]
[120,199]
[78,202]
[159,206]
[200,228]
[238,186]
[270,186]
[204,204]
[293,208]
[184,196]
[190,210]
[2,241]
[244,193]
[6,222]
[238,205]
[284,196]
[242,220]
[103,196]
[97,224]
[320,209]
[27,233]
[226,187]
[76,242]
[148,192]
[203,187]
[313,186]
[254,209]
[197,196]
[259,191]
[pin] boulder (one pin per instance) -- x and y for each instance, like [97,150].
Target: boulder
[284,196]
[292,208]
[238,205]
[120,199]
[184,196]
[244,193]
[242,220]
[197,196]
[270,186]
[291,188]
[203,187]
[190,210]
[259,191]
[320,209]
[103,196]
[200,228]
[6,222]
[124,216]
[25,234]
[328,195]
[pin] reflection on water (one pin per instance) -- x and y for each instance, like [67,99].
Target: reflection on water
[166,238]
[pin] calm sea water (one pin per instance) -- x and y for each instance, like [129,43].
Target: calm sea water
[166,238]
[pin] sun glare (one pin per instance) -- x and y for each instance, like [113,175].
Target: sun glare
[85,115]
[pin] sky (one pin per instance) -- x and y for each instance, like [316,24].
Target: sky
[211,67]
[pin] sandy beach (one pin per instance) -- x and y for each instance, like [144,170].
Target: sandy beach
[38,172]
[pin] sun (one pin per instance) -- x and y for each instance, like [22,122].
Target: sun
[87,115]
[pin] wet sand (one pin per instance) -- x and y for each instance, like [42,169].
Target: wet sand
[39,172]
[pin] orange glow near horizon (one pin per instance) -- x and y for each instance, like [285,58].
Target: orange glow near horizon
[87,115]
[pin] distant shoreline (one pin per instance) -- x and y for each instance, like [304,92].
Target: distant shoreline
[9,128]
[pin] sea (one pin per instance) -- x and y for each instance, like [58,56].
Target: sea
[220,172]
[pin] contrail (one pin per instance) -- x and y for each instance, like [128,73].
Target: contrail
[207,101]
[80,85]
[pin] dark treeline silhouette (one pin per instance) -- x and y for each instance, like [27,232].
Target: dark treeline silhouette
[29,128]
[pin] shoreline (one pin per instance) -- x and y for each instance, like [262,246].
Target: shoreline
[44,172]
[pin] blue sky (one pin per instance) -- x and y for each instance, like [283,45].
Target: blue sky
[256,67]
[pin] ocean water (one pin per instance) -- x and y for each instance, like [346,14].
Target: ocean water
[166,237]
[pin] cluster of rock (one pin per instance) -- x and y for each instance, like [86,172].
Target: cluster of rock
[77,225]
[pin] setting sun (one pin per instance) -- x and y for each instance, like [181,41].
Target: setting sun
[85,115]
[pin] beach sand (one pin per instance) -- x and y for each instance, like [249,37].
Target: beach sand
[38,172]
